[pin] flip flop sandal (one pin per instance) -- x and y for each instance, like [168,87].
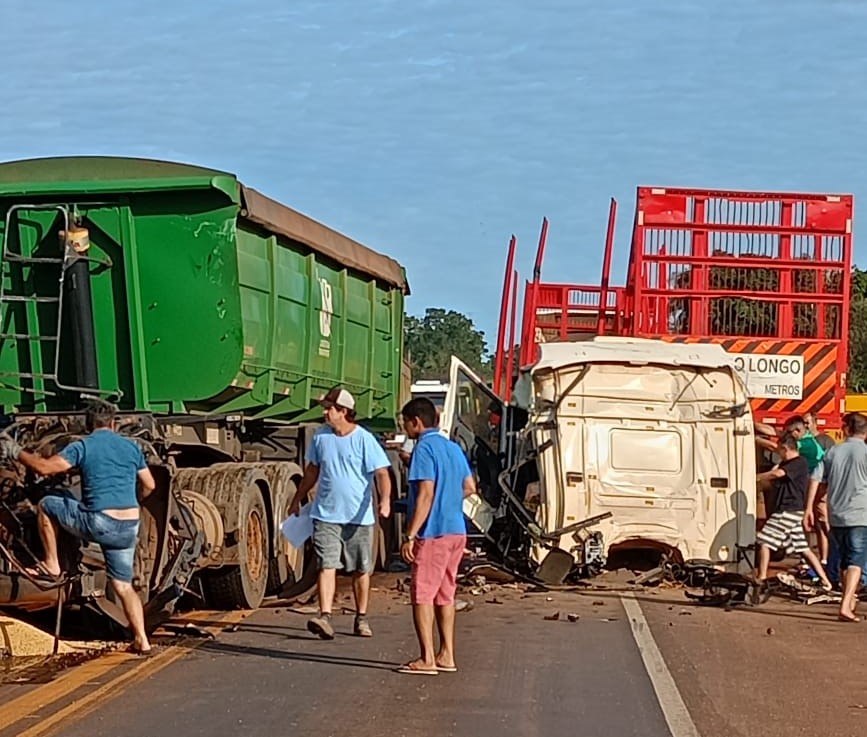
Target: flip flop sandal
[415,671]
[133,650]
[43,575]
[447,668]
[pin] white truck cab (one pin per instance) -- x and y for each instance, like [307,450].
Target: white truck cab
[653,439]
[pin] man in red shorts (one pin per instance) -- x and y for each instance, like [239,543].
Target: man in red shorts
[439,479]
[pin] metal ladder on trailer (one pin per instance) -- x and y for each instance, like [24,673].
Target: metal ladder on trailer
[17,287]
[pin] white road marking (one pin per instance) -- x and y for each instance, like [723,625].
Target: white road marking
[677,716]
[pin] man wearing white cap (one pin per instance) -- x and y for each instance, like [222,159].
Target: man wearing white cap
[346,460]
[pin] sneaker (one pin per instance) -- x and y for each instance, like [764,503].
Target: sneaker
[321,626]
[362,627]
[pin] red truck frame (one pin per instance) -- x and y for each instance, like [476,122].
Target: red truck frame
[766,275]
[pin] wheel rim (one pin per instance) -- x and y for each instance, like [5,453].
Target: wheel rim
[255,545]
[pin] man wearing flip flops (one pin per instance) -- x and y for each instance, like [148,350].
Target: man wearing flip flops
[439,478]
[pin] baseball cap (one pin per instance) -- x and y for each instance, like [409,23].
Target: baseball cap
[339,398]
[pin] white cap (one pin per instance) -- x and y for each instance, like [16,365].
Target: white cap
[339,398]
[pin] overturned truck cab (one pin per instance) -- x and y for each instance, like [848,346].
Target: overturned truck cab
[624,445]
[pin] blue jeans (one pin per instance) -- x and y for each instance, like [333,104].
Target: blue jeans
[847,546]
[116,537]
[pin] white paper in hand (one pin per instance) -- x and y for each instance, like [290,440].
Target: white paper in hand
[298,528]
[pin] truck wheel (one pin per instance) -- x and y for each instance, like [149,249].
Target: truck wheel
[243,586]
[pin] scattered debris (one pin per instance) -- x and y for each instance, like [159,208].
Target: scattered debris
[730,589]
[770,631]
[552,617]
[598,603]
[494,600]
[188,629]
[487,572]
[572,617]
[232,628]
[463,605]
[304,609]
[685,612]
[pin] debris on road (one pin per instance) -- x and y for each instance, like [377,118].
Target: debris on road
[552,617]
[304,609]
[188,629]
[572,617]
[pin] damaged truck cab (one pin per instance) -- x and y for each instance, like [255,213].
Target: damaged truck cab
[626,444]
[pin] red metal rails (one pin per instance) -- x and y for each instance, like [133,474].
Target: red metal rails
[767,275]
[563,312]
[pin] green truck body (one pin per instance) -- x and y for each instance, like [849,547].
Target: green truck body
[206,295]
[213,317]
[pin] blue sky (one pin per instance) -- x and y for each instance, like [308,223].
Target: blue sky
[432,130]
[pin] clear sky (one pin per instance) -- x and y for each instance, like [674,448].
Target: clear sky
[431,130]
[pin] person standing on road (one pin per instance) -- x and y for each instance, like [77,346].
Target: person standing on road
[111,467]
[784,528]
[846,475]
[439,479]
[345,459]
[822,438]
[817,501]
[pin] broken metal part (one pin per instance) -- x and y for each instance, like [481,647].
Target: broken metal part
[730,589]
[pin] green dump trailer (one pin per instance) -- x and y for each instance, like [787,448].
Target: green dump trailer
[213,317]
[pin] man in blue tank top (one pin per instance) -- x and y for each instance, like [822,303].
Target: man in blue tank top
[111,467]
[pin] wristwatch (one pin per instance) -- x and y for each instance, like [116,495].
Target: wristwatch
[410,538]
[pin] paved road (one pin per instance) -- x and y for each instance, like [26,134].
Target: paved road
[520,675]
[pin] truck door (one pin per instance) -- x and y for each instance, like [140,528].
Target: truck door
[474,417]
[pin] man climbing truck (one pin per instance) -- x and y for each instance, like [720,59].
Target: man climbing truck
[212,317]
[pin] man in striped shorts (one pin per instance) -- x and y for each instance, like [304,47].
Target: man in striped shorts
[784,529]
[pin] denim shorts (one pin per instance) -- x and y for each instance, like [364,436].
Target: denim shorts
[851,543]
[349,547]
[116,537]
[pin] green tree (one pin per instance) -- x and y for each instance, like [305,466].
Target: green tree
[753,316]
[432,340]
[857,375]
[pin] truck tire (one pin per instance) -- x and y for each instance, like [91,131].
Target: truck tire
[243,586]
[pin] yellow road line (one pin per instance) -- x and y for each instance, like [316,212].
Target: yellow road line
[49,693]
[32,702]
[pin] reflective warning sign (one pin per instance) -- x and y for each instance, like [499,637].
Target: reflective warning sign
[771,377]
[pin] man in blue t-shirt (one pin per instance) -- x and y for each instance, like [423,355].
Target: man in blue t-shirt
[346,460]
[112,467]
[439,478]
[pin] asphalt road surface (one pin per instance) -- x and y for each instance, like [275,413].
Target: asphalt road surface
[519,674]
